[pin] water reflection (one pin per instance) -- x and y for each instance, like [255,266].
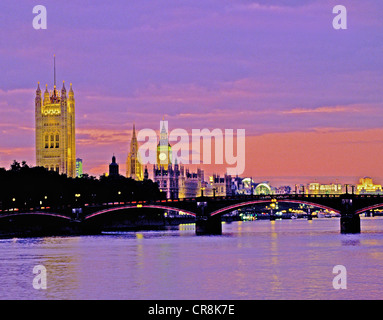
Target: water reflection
[251,260]
[351,240]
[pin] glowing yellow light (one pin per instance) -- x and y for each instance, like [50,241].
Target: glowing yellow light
[139,236]
[139,206]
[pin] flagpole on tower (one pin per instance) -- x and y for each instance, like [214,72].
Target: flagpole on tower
[54,70]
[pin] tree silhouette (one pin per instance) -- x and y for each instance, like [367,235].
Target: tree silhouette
[29,188]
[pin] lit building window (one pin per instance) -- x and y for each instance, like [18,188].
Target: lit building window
[57,141]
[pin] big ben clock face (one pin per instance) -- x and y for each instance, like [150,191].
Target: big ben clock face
[162,156]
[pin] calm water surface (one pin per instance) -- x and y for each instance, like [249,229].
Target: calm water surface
[284,259]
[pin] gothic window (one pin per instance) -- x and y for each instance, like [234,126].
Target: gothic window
[46,141]
[164,183]
[57,169]
[52,140]
[57,141]
[132,166]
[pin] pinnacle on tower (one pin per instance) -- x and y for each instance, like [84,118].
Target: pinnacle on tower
[71,93]
[46,93]
[38,90]
[63,90]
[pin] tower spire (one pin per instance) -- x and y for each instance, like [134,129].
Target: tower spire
[163,129]
[134,131]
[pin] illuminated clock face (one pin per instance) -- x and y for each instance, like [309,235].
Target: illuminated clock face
[162,156]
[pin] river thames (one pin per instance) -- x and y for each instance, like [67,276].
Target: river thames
[254,260]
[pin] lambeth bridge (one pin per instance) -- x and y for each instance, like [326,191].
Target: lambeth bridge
[206,211]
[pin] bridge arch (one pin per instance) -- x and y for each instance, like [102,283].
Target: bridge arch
[252,202]
[150,206]
[38,213]
[374,206]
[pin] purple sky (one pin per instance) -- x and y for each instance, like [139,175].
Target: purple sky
[270,67]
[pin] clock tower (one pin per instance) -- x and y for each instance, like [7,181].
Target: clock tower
[164,150]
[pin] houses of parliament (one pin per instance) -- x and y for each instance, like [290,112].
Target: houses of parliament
[56,148]
[173,179]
